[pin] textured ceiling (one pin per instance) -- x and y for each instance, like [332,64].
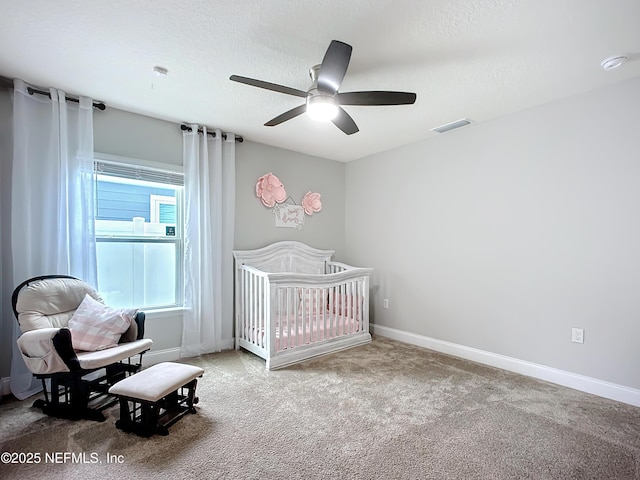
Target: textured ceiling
[479,59]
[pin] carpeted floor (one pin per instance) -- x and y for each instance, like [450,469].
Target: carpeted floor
[386,410]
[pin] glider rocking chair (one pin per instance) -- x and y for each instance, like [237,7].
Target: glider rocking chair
[75,345]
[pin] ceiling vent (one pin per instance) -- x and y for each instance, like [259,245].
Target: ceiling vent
[450,126]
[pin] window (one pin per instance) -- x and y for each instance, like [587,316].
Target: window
[139,235]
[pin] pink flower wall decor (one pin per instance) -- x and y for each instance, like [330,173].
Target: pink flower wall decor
[270,190]
[311,203]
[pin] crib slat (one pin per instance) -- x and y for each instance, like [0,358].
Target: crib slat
[296,322]
[240,306]
[306,292]
[288,316]
[245,312]
[324,300]
[254,314]
[341,317]
[283,319]
[327,314]
[260,315]
[248,311]
[280,319]
[252,300]
[334,326]
[349,316]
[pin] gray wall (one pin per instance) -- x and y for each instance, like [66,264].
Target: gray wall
[255,223]
[503,236]
[117,132]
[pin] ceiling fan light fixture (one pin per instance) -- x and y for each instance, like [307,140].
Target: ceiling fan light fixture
[322,108]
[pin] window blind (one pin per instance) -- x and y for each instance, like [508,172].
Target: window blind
[139,173]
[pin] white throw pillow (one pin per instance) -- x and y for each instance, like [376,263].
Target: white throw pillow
[95,326]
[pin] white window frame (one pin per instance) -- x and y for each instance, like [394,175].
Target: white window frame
[172,171]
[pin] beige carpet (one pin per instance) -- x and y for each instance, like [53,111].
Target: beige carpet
[385,410]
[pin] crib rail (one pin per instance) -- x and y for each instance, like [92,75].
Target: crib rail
[335,267]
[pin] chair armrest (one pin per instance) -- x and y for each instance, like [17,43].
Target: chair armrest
[135,331]
[139,319]
[48,350]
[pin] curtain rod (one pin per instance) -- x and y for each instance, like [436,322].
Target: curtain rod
[98,105]
[213,134]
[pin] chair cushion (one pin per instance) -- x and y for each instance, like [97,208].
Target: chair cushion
[51,302]
[39,353]
[102,358]
[95,326]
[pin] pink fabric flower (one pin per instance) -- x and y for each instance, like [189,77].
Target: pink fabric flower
[311,203]
[270,190]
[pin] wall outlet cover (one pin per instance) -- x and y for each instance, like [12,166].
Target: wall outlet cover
[577,335]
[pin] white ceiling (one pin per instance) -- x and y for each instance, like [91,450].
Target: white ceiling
[479,59]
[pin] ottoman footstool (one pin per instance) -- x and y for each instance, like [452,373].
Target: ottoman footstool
[155,398]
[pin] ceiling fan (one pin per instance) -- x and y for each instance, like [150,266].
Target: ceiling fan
[323,100]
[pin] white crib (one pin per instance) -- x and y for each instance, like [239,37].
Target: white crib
[293,303]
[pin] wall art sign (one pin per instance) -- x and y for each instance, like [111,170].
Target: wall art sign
[289,216]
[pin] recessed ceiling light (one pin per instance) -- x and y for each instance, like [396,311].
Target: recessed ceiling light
[160,71]
[613,62]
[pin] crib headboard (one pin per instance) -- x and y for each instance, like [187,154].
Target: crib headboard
[287,256]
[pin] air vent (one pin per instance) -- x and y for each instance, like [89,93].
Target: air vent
[450,126]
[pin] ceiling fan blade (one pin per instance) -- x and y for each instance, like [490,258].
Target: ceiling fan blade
[294,112]
[268,86]
[376,98]
[334,66]
[345,123]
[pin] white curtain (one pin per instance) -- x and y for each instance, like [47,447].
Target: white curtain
[209,178]
[52,200]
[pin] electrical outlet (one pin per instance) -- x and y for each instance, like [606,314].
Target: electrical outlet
[577,335]
[385,303]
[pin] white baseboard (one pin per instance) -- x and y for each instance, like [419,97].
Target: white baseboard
[583,383]
[167,355]
[173,354]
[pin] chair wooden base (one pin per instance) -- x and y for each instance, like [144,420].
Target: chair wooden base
[82,395]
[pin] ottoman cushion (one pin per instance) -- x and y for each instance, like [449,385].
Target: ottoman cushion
[157,381]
